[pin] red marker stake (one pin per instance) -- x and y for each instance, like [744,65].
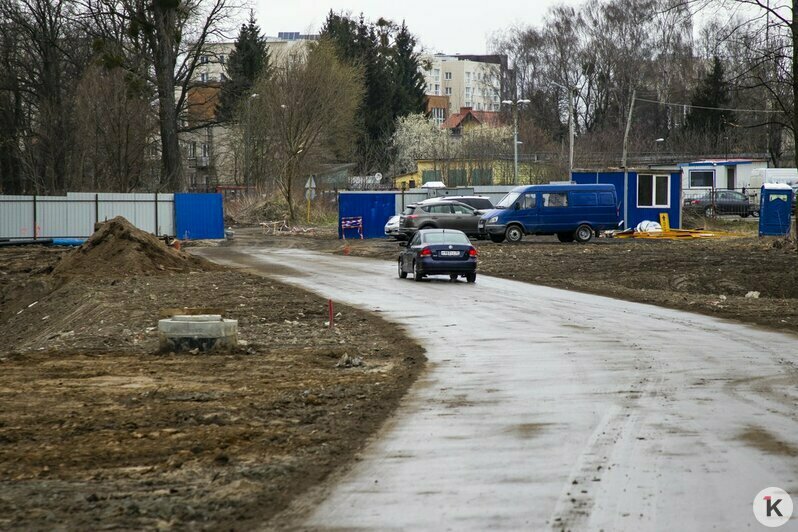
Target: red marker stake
[332,312]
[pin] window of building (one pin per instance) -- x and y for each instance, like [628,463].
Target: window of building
[437,89]
[702,178]
[468,77]
[436,73]
[447,75]
[204,77]
[203,59]
[192,150]
[438,115]
[222,77]
[555,199]
[221,58]
[468,103]
[468,91]
[206,149]
[448,91]
[653,190]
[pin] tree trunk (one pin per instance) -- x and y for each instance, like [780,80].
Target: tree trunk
[794,28]
[165,54]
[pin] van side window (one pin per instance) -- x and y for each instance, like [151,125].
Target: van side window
[529,201]
[584,199]
[605,198]
[555,199]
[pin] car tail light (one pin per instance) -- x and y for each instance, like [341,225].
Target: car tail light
[472,252]
[411,216]
[426,252]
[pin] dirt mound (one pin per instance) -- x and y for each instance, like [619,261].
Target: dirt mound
[118,248]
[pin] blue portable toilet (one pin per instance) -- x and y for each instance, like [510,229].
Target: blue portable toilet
[775,204]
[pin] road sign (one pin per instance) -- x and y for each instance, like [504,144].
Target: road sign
[311,183]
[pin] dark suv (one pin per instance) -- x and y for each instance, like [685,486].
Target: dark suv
[439,215]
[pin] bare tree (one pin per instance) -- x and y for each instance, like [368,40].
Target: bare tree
[114,123]
[162,41]
[305,114]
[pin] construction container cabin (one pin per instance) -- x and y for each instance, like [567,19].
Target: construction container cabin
[643,193]
[728,174]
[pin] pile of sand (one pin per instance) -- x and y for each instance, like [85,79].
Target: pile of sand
[117,248]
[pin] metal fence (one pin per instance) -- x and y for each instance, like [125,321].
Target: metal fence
[713,202]
[74,215]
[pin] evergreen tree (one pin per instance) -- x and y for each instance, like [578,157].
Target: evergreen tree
[248,61]
[713,91]
[394,86]
[407,77]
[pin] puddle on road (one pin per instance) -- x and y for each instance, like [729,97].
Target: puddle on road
[527,430]
[765,441]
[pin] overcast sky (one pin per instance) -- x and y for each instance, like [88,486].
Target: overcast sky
[448,26]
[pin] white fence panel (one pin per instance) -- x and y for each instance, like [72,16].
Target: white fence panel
[16,217]
[75,214]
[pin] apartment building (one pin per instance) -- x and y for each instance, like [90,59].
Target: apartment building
[474,81]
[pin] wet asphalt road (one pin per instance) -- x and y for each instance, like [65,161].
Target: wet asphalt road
[549,409]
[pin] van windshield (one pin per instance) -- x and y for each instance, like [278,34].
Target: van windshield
[507,201]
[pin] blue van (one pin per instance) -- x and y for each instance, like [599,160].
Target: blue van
[572,212]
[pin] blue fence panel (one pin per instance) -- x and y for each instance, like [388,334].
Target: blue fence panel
[374,207]
[199,216]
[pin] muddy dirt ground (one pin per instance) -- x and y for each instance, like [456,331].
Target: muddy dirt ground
[99,431]
[710,276]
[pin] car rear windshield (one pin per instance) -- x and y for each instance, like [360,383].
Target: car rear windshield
[408,210]
[478,203]
[446,238]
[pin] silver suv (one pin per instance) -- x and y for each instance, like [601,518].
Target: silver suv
[441,214]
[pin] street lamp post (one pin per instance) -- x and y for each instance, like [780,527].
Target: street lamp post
[571,91]
[658,142]
[247,155]
[515,104]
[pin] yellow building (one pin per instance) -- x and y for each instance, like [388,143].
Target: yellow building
[483,172]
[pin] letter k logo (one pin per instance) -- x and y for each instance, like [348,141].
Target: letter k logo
[772,506]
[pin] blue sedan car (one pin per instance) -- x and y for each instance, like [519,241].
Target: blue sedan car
[438,252]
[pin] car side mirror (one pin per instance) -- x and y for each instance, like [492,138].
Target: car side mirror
[517,206]
[402,244]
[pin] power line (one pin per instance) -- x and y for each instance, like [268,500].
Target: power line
[687,105]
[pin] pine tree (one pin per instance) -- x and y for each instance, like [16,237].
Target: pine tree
[712,92]
[407,77]
[249,60]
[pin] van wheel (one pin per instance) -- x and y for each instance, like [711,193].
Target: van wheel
[453,276]
[565,237]
[471,277]
[514,234]
[497,238]
[709,212]
[583,233]
[402,273]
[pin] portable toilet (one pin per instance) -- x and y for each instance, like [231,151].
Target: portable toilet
[775,204]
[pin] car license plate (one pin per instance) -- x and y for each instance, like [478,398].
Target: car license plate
[450,253]
[482,223]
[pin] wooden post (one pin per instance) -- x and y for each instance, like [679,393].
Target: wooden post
[35,220]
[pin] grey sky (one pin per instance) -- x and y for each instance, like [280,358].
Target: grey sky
[449,26]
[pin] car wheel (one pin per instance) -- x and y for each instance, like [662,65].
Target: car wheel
[745,215]
[514,234]
[402,273]
[565,237]
[583,233]
[471,277]
[755,214]
[709,212]
[497,238]
[417,275]
[453,276]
